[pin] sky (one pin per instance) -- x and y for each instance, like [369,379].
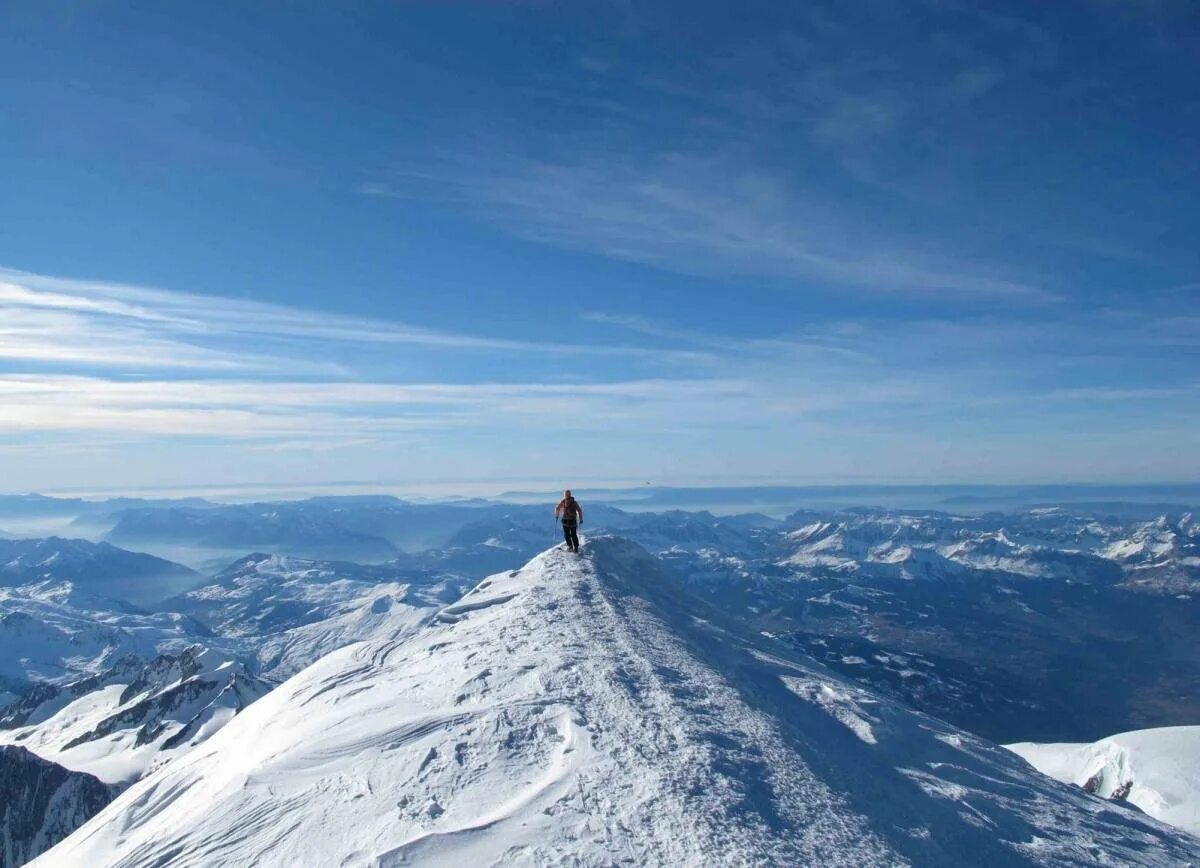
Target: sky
[463,247]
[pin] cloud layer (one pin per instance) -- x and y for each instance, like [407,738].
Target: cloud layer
[104,379]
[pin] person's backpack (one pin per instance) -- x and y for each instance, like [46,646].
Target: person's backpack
[570,511]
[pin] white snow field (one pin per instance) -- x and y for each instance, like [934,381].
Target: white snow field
[53,631]
[139,715]
[1156,769]
[584,710]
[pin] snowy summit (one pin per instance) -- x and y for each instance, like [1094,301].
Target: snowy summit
[586,710]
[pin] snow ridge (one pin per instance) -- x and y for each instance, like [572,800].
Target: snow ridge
[1158,770]
[587,710]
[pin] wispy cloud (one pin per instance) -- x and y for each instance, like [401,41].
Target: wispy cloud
[699,216]
[1110,393]
[88,356]
[1094,357]
[317,411]
[49,319]
[153,363]
[64,336]
[826,343]
[753,165]
[706,216]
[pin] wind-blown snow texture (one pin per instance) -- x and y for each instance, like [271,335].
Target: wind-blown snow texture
[1156,769]
[587,711]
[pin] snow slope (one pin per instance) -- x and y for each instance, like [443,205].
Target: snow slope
[134,717]
[52,631]
[587,711]
[1156,769]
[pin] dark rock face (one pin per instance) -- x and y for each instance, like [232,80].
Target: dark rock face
[1096,786]
[42,803]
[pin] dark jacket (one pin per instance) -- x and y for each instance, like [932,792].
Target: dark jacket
[569,511]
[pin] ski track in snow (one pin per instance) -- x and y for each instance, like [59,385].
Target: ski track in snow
[579,711]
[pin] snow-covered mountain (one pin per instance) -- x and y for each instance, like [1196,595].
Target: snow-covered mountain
[133,717]
[1159,556]
[53,631]
[42,804]
[95,568]
[1162,555]
[588,710]
[263,594]
[999,623]
[286,612]
[1075,619]
[1156,769]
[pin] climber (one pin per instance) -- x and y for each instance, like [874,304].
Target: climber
[570,513]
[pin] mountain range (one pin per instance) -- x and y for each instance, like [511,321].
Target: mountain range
[589,709]
[1046,627]
[100,569]
[285,612]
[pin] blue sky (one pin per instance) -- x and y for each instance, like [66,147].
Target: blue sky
[468,246]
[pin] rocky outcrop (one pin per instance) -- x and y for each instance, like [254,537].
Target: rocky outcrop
[41,803]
